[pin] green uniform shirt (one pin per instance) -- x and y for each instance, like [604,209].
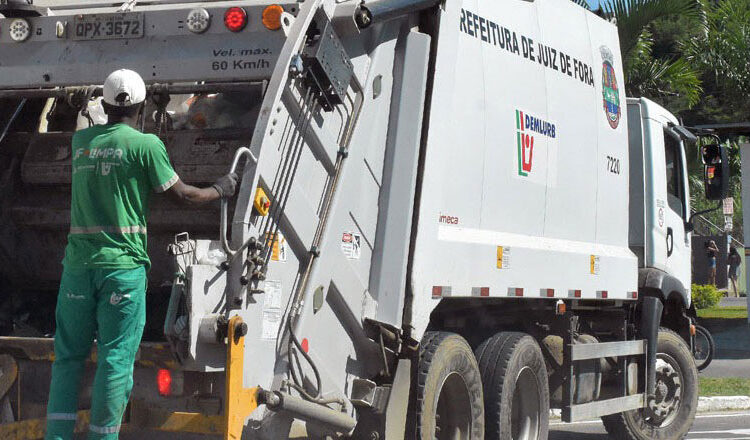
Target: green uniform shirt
[115,170]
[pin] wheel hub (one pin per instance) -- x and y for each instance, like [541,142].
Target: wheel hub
[663,407]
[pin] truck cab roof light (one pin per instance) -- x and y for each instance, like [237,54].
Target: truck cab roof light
[235,19]
[272,17]
[198,20]
[20,30]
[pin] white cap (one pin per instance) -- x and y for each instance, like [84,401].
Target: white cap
[126,85]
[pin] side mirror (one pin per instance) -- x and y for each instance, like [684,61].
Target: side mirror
[689,226]
[715,171]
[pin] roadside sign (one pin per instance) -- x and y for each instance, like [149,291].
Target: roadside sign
[729,206]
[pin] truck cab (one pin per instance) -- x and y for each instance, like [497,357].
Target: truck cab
[659,200]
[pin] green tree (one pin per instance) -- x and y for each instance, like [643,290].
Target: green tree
[645,74]
[723,55]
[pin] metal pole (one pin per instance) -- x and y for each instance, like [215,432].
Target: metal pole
[745,162]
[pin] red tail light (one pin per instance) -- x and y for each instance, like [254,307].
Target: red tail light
[235,19]
[164,382]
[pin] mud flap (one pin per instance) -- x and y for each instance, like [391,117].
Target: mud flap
[649,328]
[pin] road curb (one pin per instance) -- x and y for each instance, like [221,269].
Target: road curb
[723,403]
[705,404]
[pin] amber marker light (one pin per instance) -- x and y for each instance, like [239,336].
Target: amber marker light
[272,17]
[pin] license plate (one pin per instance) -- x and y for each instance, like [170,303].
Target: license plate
[115,26]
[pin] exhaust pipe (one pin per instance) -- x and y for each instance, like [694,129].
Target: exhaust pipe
[649,328]
[367,14]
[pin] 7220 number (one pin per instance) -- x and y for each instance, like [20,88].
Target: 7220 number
[613,165]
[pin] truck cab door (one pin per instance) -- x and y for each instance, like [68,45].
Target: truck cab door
[668,209]
[677,211]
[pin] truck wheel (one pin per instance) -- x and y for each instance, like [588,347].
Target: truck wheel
[671,414]
[516,388]
[448,390]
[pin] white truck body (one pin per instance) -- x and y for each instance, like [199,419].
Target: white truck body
[471,168]
[562,222]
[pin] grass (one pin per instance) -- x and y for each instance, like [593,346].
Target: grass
[733,312]
[730,386]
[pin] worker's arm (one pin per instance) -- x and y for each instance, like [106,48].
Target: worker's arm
[186,194]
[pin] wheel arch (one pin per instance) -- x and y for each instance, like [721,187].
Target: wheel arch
[678,311]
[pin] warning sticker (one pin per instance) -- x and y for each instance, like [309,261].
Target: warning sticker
[503,257]
[279,248]
[594,265]
[351,245]
[272,312]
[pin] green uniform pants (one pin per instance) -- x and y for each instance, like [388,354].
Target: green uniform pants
[109,305]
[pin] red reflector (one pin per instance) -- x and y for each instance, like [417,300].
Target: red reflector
[437,291]
[235,19]
[519,291]
[577,293]
[484,291]
[305,345]
[164,382]
[634,295]
[604,294]
[550,293]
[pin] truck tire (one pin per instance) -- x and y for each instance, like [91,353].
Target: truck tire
[448,390]
[516,388]
[671,416]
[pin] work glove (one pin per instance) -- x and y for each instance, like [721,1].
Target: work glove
[226,185]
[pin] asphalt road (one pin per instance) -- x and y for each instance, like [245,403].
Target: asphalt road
[724,426]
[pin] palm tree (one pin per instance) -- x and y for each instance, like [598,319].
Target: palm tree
[724,55]
[646,75]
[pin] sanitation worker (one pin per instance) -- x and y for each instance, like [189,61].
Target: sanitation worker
[103,289]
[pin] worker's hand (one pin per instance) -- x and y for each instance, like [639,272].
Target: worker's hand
[226,185]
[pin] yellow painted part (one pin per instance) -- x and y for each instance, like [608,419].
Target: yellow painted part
[150,416]
[192,422]
[34,428]
[499,257]
[261,203]
[240,401]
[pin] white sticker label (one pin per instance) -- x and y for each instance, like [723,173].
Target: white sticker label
[271,309]
[351,245]
[503,257]
[271,321]
[594,265]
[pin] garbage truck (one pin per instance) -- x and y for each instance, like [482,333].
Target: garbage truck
[450,218]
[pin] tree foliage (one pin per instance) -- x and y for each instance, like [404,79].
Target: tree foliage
[645,74]
[692,57]
[722,54]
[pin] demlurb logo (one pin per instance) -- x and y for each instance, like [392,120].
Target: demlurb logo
[527,127]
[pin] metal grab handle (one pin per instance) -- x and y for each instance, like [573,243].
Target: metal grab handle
[670,242]
[242,151]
